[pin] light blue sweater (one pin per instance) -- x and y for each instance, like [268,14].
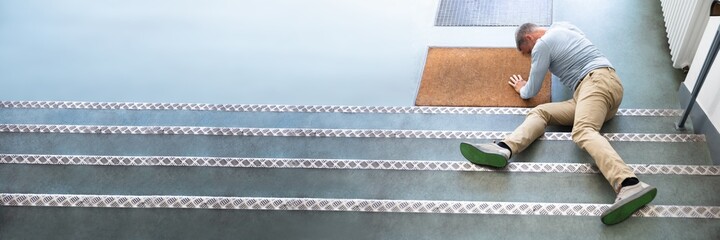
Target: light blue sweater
[566,52]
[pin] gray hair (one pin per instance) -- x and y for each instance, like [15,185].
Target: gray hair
[523,30]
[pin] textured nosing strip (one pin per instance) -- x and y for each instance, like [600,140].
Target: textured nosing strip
[338,133]
[346,205]
[302,108]
[345,164]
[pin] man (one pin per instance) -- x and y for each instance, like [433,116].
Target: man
[568,54]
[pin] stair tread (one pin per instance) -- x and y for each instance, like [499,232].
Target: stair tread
[688,153]
[496,122]
[224,224]
[324,183]
[345,164]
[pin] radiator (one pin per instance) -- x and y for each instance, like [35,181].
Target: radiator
[685,21]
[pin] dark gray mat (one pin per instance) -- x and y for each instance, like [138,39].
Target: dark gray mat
[494,12]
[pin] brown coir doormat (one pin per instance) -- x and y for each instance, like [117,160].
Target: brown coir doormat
[476,77]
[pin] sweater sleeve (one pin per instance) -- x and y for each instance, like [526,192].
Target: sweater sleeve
[538,69]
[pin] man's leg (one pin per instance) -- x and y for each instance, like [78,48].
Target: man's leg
[559,113]
[497,155]
[598,98]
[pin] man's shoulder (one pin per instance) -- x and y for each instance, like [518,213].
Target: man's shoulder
[561,36]
[566,26]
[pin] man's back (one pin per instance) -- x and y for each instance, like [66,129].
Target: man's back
[567,53]
[571,54]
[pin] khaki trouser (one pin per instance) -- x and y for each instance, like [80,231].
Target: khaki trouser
[595,101]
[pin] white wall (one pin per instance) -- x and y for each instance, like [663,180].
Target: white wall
[708,99]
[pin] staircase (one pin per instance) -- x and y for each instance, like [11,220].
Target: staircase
[89,170]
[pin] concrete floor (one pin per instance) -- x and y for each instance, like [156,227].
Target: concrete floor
[285,52]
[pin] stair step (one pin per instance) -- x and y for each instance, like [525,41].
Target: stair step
[296,108]
[495,119]
[346,205]
[102,223]
[18,142]
[344,164]
[309,132]
[331,183]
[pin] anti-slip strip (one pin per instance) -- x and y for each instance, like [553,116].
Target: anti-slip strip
[303,108]
[345,205]
[344,164]
[338,133]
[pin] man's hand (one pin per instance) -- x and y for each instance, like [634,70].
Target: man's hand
[517,82]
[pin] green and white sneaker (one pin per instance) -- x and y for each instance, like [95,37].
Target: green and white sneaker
[629,200]
[486,154]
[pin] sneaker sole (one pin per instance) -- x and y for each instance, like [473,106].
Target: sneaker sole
[624,211]
[474,155]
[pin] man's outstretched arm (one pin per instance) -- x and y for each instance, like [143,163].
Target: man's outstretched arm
[538,69]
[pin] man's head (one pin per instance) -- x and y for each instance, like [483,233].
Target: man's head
[526,36]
